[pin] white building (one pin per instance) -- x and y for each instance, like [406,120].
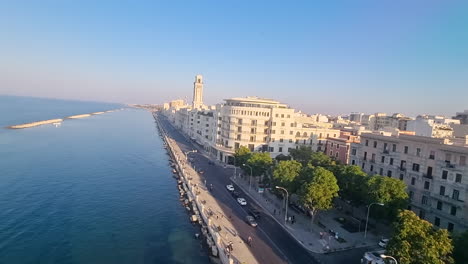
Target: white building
[431,127]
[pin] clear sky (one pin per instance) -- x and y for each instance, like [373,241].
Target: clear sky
[318,56]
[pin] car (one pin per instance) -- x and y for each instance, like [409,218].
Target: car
[251,221]
[230,187]
[241,201]
[383,242]
[235,194]
[254,213]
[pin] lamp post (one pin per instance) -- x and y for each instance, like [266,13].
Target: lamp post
[235,167]
[287,195]
[390,257]
[188,152]
[250,178]
[367,219]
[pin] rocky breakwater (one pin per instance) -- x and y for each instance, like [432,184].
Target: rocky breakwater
[38,123]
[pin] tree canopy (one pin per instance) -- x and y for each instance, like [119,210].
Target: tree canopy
[260,163]
[241,155]
[318,193]
[321,160]
[286,173]
[352,182]
[415,241]
[389,191]
[302,154]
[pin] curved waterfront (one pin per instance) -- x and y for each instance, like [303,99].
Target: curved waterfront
[98,190]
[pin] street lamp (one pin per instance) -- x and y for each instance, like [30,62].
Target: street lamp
[390,257]
[287,195]
[235,167]
[251,174]
[188,152]
[367,219]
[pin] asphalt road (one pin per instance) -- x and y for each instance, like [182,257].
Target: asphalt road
[270,242]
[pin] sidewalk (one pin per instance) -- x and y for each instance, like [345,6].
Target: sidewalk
[303,231]
[218,223]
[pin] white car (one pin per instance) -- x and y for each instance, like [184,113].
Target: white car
[230,187]
[383,242]
[241,201]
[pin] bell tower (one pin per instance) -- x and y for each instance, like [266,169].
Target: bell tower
[198,92]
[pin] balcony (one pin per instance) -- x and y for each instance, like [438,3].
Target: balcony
[448,199]
[428,176]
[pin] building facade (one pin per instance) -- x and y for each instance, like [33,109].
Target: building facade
[339,148]
[434,170]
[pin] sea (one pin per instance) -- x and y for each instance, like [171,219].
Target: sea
[92,190]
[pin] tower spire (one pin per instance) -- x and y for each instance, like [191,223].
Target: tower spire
[198,92]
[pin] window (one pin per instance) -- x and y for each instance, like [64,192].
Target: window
[411,194]
[415,167]
[462,160]
[418,152]
[238,137]
[281,140]
[458,177]
[365,155]
[450,227]
[282,132]
[427,185]
[332,144]
[444,174]
[282,115]
[290,141]
[406,149]
[432,155]
[401,176]
[448,157]
[391,161]
[371,167]
[437,221]
[331,152]
[375,144]
[280,149]
[373,157]
[239,121]
[382,159]
[424,200]
[422,214]
[439,205]
[353,162]
[381,171]
[394,147]
[363,165]
[413,180]
[442,190]
[274,124]
[266,123]
[353,152]
[367,142]
[389,173]
[455,194]
[385,146]
[291,132]
[271,149]
[282,124]
[273,131]
[252,130]
[453,210]
[273,140]
[337,146]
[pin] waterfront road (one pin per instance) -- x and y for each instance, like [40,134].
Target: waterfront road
[270,242]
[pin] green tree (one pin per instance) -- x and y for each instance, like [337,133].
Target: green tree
[321,160]
[352,183]
[460,253]
[260,163]
[241,155]
[318,193]
[389,191]
[302,154]
[285,174]
[415,241]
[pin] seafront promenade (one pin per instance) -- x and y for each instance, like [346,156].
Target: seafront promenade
[219,225]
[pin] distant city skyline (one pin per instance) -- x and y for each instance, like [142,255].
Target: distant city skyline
[331,58]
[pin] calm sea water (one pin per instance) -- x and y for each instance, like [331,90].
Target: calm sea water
[94,190]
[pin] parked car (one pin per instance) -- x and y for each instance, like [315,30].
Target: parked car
[383,242]
[241,201]
[251,221]
[230,187]
[254,213]
[235,194]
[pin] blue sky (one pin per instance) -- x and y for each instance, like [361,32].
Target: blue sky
[328,57]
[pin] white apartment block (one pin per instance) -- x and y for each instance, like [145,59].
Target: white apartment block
[434,170]
[432,127]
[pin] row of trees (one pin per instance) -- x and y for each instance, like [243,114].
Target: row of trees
[317,180]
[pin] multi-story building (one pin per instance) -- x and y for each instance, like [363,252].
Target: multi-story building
[435,171]
[431,127]
[338,148]
[462,116]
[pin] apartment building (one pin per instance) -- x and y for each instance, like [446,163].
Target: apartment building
[435,171]
[339,148]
